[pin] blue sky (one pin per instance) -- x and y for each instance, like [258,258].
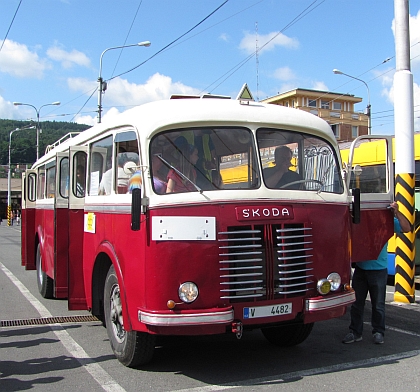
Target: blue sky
[52,52]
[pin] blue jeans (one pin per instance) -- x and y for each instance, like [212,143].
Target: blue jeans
[374,282]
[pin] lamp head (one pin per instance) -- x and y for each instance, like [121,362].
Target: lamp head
[337,71]
[56,103]
[144,43]
[17,103]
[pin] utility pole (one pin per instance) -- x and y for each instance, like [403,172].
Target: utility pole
[404,154]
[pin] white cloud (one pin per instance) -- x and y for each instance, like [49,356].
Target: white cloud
[17,60]
[321,86]
[68,59]
[284,73]
[120,92]
[224,37]
[7,110]
[248,43]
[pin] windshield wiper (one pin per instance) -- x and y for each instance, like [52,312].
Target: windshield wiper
[179,173]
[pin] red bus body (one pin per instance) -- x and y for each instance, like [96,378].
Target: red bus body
[199,237]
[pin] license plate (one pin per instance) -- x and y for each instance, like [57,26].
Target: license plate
[267,311]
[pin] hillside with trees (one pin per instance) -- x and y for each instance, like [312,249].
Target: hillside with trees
[23,146]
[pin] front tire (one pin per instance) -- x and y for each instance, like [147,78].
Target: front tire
[131,348]
[287,335]
[45,283]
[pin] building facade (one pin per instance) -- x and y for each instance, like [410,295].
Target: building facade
[337,109]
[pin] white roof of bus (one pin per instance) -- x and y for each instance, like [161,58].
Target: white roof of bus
[177,113]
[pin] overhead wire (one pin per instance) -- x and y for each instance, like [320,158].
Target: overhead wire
[171,43]
[310,8]
[10,26]
[128,33]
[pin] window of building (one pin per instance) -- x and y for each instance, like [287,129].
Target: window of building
[336,130]
[312,103]
[286,104]
[293,103]
[337,105]
[354,131]
[325,104]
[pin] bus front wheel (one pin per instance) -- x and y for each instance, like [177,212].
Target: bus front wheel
[287,335]
[131,348]
[45,283]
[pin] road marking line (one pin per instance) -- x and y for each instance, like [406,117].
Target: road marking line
[74,349]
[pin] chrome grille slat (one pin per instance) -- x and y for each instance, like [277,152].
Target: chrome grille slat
[294,257]
[239,268]
[239,261]
[288,237]
[260,262]
[240,254]
[293,250]
[248,281]
[293,278]
[295,271]
[239,246]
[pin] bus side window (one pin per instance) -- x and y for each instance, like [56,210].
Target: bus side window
[64,178]
[128,155]
[32,187]
[79,173]
[100,163]
[41,183]
[50,182]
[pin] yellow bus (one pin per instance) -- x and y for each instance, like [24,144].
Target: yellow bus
[370,157]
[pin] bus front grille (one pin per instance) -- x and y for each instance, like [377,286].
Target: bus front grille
[260,262]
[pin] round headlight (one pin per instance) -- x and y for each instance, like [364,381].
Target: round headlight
[323,286]
[188,292]
[335,281]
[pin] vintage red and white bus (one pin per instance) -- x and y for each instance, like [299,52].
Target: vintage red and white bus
[227,250]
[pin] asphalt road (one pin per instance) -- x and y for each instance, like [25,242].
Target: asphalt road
[65,356]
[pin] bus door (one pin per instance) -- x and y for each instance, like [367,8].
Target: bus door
[77,190]
[28,219]
[371,180]
[61,224]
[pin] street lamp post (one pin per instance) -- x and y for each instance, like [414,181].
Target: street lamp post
[368,108]
[102,83]
[9,174]
[37,120]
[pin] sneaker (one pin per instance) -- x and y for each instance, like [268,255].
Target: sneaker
[351,337]
[378,338]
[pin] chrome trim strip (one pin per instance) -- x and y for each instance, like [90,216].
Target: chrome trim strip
[223,317]
[315,304]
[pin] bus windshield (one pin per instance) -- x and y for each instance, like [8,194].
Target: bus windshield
[188,160]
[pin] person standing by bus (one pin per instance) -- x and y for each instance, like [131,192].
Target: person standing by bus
[371,277]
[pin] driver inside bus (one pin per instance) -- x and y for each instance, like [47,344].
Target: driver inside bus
[280,175]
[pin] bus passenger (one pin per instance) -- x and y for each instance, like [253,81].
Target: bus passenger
[188,158]
[105,185]
[280,174]
[159,184]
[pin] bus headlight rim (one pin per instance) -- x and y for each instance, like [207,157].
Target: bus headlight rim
[188,292]
[335,279]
